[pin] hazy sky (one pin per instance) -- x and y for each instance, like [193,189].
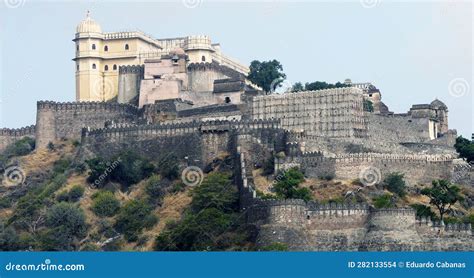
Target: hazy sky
[412,51]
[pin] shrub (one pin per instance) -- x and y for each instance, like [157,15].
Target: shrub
[155,187]
[130,220]
[168,167]
[51,146]
[178,187]
[66,223]
[9,239]
[61,165]
[105,204]
[216,191]
[269,166]
[384,201]
[80,168]
[424,211]
[21,147]
[277,246]
[75,193]
[195,232]
[394,183]
[287,186]
[131,169]
[76,143]
[99,171]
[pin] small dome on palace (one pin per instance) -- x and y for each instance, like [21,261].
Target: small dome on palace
[88,25]
[438,104]
[177,51]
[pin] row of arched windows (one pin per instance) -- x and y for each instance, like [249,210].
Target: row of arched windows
[106,48]
[106,67]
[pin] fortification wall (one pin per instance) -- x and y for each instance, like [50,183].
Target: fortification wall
[65,120]
[201,76]
[200,142]
[398,128]
[331,113]
[339,227]
[417,168]
[9,136]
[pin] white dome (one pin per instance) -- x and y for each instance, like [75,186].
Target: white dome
[88,25]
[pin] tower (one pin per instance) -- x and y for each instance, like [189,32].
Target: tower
[89,76]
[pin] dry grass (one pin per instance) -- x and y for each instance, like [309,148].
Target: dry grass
[262,183]
[172,208]
[42,159]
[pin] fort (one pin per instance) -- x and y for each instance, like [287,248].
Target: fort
[184,97]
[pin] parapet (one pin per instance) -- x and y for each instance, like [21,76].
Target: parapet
[217,67]
[86,105]
[344,92]
[132,69]
[23,131]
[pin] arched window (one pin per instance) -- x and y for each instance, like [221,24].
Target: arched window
[203,58]
[106,68]
[94,66]
[106,48]
[127,47]
[227,99]
[77,67]
[93,46]
[115,67]
[77,47]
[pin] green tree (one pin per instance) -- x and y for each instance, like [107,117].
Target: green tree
[297,87]
[168,167]
[75,193]
[132,168]
[266,74]
[424,211]
[395,183]
[443,195]
[105,204]
[9,239]
[66,224]
[321,85]
[216,191]
[465,148]
[98,174]
[384,201]
[133,217]
[277,246]
[287,186]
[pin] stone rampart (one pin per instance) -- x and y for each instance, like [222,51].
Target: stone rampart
[57,120]
[9,136]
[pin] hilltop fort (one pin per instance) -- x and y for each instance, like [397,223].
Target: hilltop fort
[185,96]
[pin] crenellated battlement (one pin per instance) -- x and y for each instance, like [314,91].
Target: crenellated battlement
[345,93]
[23,131]
[186,127]
[84,106]
[137,69]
